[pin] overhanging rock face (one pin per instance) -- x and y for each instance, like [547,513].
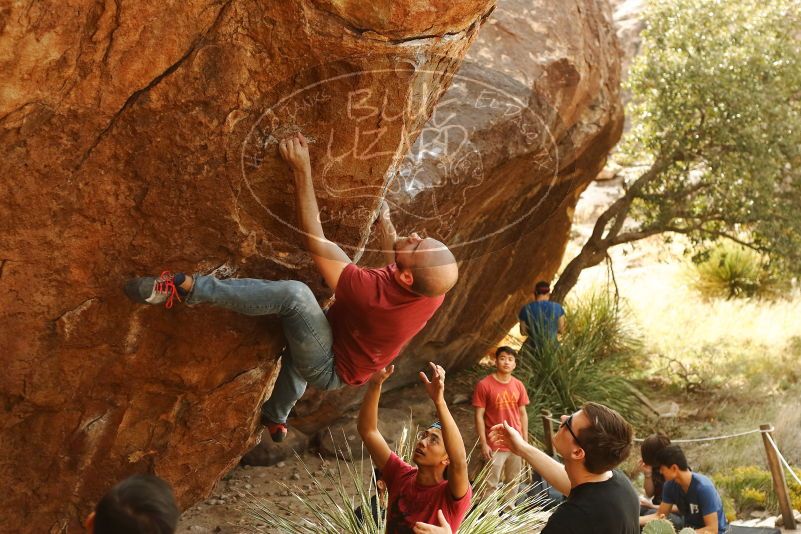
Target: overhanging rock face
[138,136]
[496,172]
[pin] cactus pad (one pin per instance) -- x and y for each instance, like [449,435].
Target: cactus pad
[659,526]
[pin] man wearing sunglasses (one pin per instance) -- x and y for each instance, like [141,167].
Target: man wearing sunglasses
[423,495]
[592,442]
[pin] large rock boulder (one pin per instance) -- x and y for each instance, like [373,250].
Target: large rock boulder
[628,16]
[496,172]
[138,136]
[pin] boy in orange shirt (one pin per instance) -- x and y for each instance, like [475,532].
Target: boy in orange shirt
[497,398]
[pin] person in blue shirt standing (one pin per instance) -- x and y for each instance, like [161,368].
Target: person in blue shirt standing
[542,320]
[694,494]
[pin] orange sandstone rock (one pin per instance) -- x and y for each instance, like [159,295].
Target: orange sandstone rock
[139,136]
[525,126]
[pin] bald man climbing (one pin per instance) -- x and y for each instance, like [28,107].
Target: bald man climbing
[375,314]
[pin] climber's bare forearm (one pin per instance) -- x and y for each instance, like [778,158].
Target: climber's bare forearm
[328,257]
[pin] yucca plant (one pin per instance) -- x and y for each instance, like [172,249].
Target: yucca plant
[503,510]
[336,515]
[589,364]
[730,270]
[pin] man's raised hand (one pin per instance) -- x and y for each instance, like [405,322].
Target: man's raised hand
[383,216]
[503,435]
[379,377]
[436,386]
[644,468]
[295,151]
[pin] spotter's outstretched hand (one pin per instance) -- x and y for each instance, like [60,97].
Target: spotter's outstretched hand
[383,217]
[436,386]
[379,377]
[504,435]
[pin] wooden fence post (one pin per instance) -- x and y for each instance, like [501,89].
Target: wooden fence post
[547,429]
[779,482]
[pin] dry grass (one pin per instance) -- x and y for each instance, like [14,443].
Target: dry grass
[729,364]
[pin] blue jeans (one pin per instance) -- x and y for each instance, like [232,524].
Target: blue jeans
[308,356]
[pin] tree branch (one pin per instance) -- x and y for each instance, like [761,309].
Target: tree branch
[619,209]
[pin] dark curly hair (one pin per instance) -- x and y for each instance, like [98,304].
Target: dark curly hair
[651,446]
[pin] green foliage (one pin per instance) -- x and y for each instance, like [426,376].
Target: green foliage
[586,365]
[716,108]
[598,323]
[731,271]
[751,488]
[337,515]
[687,530]
[729,509]
[659,526]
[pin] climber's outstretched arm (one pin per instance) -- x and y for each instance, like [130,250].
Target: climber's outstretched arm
[328,257]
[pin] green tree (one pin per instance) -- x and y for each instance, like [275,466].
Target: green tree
[716,113]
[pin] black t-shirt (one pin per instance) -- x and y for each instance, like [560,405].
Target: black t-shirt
[608,507]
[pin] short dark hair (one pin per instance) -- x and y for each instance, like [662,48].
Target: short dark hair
[141,504]
[672,455]
[607,441]
[506,349]
[652,445]
[542,288]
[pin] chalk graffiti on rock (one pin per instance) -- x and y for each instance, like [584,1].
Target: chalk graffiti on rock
[432,169]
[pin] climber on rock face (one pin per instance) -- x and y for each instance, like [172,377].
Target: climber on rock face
[376,312]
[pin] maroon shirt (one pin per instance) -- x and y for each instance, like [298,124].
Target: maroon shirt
[372,319]
[410,501]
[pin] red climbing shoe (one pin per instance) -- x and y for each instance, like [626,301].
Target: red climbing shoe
[151,290]
[278,431]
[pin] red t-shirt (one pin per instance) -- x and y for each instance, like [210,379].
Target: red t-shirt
[410,502]
[501,402]
[372,319]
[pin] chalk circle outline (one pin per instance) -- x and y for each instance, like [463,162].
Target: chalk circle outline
[398,157]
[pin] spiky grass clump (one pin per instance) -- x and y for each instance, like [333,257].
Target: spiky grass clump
[336,515]
[502,511]
[730,270]
[588,364]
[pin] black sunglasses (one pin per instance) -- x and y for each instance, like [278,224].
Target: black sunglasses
[566,424]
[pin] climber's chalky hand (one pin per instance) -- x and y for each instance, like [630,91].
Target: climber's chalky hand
[295,151]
